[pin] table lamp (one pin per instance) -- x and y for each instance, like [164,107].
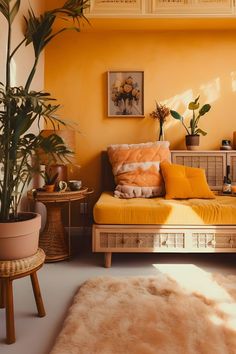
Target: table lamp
[57,166]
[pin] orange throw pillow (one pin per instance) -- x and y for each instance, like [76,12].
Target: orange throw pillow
[182,182]
[136,168]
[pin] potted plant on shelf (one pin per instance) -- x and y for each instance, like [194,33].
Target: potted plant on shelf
[20,108]
[192,139]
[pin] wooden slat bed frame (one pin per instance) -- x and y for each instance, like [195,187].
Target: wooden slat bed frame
[158,238]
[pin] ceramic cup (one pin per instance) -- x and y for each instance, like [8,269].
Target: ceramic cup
[62,185]
[74,185]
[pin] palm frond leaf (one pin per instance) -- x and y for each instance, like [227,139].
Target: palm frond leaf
[14,10]
[38,30]
[5,8]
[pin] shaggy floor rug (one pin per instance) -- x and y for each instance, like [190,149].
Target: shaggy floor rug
[152,315]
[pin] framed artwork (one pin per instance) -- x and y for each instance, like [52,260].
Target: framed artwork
[125,93]
[192,6]
[115,7]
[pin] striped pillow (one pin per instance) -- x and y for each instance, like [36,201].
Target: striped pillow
[136,168]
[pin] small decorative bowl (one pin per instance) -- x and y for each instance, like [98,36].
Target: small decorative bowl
[74,185]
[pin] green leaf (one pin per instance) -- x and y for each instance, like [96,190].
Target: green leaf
[38,30]
[206,108]
[192,123]
[193,106]
[176,115]
[5,8]
[14,10]
[50,178]
[200,131]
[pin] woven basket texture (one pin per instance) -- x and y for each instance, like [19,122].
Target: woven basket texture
[23,265]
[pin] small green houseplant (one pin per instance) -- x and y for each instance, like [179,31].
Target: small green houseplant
[21,108]
[50,179]
[193,131]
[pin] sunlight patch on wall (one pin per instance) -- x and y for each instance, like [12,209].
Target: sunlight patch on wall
[180,102]
[233,80]
[13,73]
[211,91]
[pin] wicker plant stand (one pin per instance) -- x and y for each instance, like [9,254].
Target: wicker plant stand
[15,269]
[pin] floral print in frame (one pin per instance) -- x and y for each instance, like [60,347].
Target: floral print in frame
[125,94]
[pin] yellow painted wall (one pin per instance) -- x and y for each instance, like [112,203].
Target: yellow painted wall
[177,65]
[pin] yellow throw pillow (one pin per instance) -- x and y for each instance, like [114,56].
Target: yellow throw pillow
[136,168]
[182,182]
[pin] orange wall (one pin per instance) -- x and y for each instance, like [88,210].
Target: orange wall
[177,65]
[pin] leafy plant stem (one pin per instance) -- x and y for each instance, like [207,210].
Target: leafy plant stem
[161,131]
[18,195]
[17,47]
[185,127]
[196,121]
[31,75]
[6,177]
[8,62]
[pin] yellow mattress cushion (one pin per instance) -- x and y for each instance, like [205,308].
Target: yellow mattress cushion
[112,210]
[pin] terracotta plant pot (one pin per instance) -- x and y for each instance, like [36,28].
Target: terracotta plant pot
[19,239]
[49,188]
[192,142]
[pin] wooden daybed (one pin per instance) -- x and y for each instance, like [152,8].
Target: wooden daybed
[161,225]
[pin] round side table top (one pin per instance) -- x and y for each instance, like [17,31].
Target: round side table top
[66,196]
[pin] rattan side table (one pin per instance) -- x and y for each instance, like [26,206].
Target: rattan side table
[53,239]
[15,269]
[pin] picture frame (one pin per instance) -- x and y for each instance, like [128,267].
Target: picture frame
[125,93]
[116,7]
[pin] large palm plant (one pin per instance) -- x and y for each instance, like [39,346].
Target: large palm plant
[21,107]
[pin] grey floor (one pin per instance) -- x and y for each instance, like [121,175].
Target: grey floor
[60,281]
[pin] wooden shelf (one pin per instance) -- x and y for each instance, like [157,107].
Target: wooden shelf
[106,24]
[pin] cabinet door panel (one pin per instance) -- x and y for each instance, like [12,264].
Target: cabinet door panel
[231,161]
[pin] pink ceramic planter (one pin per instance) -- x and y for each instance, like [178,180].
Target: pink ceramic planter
[20,239]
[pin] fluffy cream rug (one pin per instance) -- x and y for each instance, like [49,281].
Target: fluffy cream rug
[152,315]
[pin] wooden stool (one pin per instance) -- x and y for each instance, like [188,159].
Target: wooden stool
[11,270]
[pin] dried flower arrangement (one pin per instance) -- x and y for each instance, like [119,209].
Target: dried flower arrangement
[161,113]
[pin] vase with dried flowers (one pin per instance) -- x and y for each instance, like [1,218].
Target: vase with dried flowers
[161,113]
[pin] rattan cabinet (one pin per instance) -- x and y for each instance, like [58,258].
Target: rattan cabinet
[231,161]
[214,163]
